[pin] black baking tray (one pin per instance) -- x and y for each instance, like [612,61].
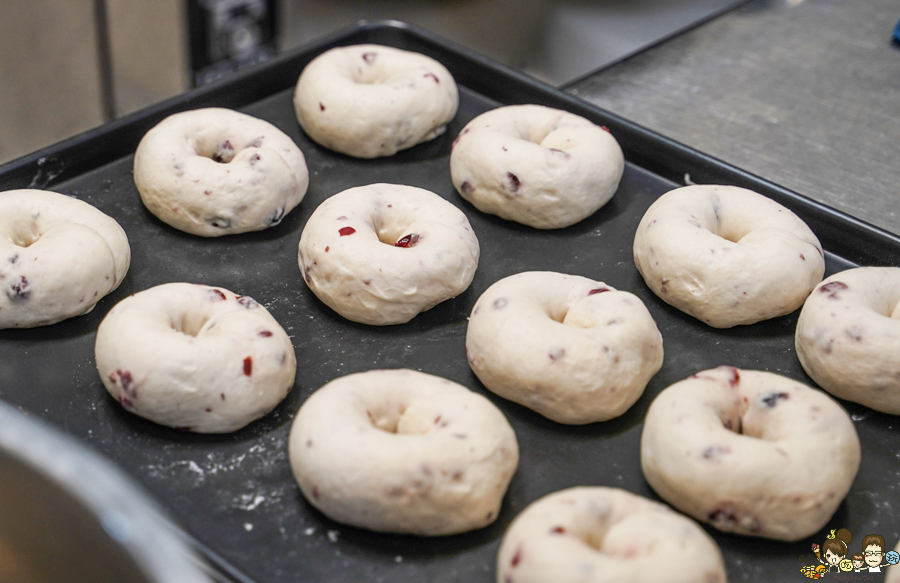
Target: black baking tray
[235,493]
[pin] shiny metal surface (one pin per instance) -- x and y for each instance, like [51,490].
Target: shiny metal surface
[68,516]
[805,93]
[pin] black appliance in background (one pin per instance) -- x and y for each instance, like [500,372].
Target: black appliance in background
[227,35]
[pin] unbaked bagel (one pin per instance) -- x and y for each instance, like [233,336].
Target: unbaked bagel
[194,357]
[382,253]
[848,337]
[59,256]
[371,100]
[606,535]
[403,451]
[727,255]
[214,171]
[573,349]
[535,165]
[750,452]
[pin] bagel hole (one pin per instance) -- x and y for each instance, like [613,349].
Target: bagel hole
[593,540]
[731,237]
[221,159]
[221,152]
[390,236]
[386,425]
[401,420]
[188,325]
[26,241]
[377,76]
[26,238]
[731,234]
[387,421]
[734,425]
[536,134]
[387,237]
[558,315]
[894,311]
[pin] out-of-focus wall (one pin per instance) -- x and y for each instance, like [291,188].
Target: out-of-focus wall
[49,79]
[148,43]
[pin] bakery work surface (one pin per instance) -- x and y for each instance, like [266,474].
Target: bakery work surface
[235,493]
[803,93]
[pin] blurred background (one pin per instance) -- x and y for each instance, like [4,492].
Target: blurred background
[69,65]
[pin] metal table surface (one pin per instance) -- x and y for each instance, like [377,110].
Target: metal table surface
[803,93]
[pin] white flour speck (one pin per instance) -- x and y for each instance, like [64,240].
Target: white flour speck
[249,501]
[248,527]
[398,559]
[333,535]
[309,531]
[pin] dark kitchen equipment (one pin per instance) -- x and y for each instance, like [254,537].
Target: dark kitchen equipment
[67,515]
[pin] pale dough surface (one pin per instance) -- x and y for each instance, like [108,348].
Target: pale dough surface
[194,357]
[350,258]
[606,535]
[750,452]
[535,165]
[848,337]
[727,255]
[215,171]
[59,256]
[573,349]
[370,100]
[403,451]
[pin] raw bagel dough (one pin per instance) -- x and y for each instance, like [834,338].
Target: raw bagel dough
[606,535]
[848,337]
[371,100]
[573,349]
[750,452]
[727,255]
[213,172]
[538,166]
[403,451]
[381,254]
[194,357]
[59,256]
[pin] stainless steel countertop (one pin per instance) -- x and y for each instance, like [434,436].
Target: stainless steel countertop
[803,93]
